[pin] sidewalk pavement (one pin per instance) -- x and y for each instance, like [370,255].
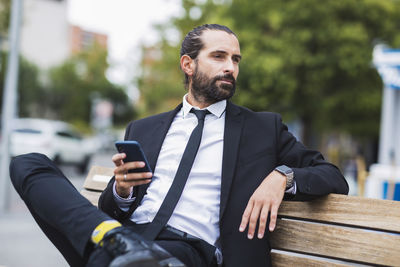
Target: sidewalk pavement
[22,243]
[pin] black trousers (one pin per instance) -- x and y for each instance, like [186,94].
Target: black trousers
[68,219]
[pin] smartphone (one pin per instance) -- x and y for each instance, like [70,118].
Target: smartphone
[134,152]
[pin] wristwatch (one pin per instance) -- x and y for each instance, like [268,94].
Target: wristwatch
[288,172]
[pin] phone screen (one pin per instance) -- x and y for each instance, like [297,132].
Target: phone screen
[133,152]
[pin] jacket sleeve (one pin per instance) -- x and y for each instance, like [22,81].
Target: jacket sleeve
[107,201]
[313,175]
[108,205]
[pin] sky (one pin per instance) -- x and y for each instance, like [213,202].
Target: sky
[128,24]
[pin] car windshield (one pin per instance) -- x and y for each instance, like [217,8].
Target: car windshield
[69,134]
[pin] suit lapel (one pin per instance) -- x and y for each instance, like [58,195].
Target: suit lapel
[233,129]
[157,138]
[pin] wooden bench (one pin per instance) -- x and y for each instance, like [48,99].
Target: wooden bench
[335,230]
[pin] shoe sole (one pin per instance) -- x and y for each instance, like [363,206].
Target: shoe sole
[134,260]
[125,262]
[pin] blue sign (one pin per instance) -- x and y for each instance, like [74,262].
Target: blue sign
[387,62]
[396,192]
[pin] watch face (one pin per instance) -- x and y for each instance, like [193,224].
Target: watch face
[284,169]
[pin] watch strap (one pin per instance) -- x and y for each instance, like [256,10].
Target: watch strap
[288,172]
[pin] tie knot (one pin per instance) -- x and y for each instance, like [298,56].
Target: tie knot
[200,114]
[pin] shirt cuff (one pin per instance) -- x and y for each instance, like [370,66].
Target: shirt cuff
[123,203]
[292,190]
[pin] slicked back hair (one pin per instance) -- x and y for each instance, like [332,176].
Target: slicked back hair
[192,43]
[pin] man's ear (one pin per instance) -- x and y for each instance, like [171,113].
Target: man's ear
[187,65]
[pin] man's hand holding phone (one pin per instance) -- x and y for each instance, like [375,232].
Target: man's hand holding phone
[131,169]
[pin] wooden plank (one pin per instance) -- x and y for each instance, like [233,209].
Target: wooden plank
[92,196]
[339,242]
[98,178]
[351,210]
[284,260]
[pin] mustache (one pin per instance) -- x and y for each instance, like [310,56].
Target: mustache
[227,76]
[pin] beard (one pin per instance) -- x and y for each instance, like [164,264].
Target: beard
[205,89]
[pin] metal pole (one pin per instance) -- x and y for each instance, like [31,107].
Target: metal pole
[396,132]
[386,145]
[9,101]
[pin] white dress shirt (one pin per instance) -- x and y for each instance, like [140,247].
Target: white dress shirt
[197,211]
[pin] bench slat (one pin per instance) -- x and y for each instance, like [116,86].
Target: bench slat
[351,210]
[98,178]
[284,260]
[338,242]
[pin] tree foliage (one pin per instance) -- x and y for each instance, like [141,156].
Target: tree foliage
[4,16]
[312,61]
[78,81]
[30,89]
[161,83]
[307,59]
[68,91]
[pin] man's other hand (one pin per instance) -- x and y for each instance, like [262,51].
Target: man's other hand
[266,199]
[124,180]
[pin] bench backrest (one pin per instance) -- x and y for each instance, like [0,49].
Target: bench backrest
[335,230]
[336,227]
[96,181]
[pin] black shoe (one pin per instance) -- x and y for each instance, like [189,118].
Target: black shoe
[130,250]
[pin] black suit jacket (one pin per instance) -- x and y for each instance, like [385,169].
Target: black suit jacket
[254,144]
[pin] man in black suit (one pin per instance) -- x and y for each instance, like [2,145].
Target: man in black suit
[244,165]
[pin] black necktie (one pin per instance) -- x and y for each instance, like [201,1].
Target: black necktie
[175,191]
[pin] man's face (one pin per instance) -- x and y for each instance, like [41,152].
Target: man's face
[216,67]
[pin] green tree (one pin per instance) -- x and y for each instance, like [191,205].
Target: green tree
[310,61]
[4,16]
[75,83]
[4,20]
[161,83]
[29,92]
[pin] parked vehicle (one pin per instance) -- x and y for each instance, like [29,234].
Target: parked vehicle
[57,140]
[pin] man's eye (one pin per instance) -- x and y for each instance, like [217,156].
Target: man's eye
[236,60]
[217,56]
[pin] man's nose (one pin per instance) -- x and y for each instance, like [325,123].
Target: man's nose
[229,67]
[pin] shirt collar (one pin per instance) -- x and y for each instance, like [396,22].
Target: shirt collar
[216,109]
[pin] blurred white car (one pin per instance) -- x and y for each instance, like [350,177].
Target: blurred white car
[57,140]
